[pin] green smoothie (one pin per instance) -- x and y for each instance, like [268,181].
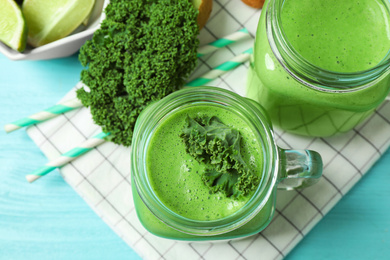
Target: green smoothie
[175,175]
[337,35]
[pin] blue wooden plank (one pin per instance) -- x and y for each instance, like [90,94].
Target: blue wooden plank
[46,219]
[358,226]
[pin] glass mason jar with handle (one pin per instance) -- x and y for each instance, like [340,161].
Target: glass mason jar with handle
[321,67]
[159,203]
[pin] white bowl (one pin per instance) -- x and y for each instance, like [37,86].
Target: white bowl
[62,47]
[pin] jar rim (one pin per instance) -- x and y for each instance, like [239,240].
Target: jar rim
[168,105]
[312,75]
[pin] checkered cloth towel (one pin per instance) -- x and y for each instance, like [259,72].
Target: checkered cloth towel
[102,176]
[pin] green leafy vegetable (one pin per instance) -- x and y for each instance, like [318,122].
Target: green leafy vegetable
[144,50]
[217,145]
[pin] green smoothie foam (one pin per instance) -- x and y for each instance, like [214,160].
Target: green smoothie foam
[342,36]
[175,176]
[338,35]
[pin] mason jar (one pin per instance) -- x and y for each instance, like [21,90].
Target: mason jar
[321,67]
[156,127]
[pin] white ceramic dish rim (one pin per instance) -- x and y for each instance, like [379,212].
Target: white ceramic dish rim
[62,47]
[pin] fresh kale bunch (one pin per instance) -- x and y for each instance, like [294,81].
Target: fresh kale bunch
[217,145]
[144,50]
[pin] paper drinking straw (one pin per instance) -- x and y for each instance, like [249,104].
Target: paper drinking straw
[65,158]
[221,69]
[75,103]
[222,42]
[44,115]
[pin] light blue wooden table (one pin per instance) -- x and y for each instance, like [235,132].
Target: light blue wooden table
[48,220]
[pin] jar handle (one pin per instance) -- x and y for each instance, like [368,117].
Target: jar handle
[299,169]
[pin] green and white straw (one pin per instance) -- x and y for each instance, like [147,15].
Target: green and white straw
[223,42]
[221,69]
[67,157]
[44,115]
[69,105]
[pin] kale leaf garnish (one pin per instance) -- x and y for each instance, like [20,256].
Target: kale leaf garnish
[217,145]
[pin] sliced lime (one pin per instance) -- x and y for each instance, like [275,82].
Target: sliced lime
[51,20]
[13,29]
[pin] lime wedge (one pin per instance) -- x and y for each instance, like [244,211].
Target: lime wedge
[13,29]
[52,20]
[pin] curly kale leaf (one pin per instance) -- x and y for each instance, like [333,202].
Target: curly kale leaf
[217,145]
[144,50]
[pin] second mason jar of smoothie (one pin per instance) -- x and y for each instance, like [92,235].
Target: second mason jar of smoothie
[321,67]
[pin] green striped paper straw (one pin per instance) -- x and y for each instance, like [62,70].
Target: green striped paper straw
[69,105]
[43,115]
[222,42]
[221,69]
[67,157]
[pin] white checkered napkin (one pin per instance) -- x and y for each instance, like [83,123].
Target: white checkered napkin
[102,176]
